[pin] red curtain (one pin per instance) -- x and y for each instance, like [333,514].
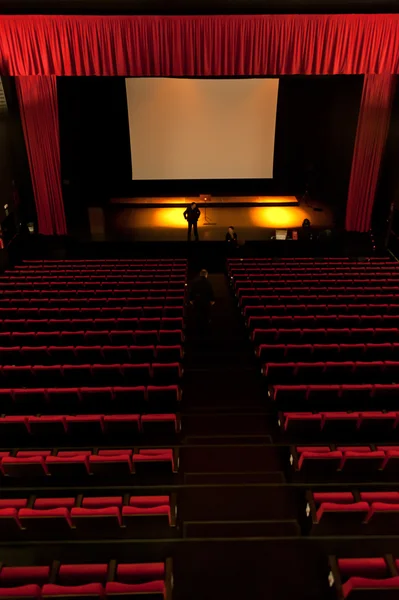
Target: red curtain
[39,114]
[371,135]
[201,45]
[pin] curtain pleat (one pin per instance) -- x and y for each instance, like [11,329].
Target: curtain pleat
[39,114]
[371,135]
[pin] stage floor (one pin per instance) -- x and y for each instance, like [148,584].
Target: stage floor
[168,224]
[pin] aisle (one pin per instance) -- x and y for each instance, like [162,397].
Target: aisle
[222,377]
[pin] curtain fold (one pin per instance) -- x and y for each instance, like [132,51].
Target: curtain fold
[199,45]
[38,48]
[39,114]
[371,135]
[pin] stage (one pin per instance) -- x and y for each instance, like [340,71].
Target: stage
[206,200]
[255,218]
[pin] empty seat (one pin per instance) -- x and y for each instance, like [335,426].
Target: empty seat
[118,462]
[122,424]
[148,462]
[129,399]
[69,463]
[159,424]
[90,520]
[27,464]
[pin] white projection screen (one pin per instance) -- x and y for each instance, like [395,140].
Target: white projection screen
[202,128]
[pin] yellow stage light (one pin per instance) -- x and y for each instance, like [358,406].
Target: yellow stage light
[277,217]
[168,217]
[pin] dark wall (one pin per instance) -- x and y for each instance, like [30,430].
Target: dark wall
[388,183]
[15,180]
[315,132]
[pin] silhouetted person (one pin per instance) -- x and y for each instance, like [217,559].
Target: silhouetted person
[306,230]
[202,298]
[192,214]
[231,239]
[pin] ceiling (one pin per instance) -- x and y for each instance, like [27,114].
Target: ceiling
[188,7]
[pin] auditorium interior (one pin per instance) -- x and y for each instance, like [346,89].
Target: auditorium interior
[161,443]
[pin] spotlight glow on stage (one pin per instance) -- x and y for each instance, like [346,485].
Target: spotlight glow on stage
[277,216]
[169,217]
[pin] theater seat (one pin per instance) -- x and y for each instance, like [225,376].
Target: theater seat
[364,587]
[24,575]
[89,590]
[28,464]
[48,521]
[160,424]
[340,518]
[154,462]
[88,521]
[23,591]
[117,462]
[154,590]
[80,574]
[122,425]
[69,463]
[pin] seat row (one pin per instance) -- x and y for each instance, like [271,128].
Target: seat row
[90,375]
[352,460]
[316,261]
[323,335]
[276,275]
[320,300]
[91,400]
[303,309]
[330,372]
[62,427]
[341,513]
[364,578]
[92,581]
[77,303]
[317,321]
[100,261]
[88,286]
[90,516]
[113,312]
[327,352]
[156,342]
[103,276]
[97,294]
[237,272]
[317,282]
[151,324]
[30,464]
[340,424]
[346,392]
[326,294]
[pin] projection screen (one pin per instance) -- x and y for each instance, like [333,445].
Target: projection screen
[202,128]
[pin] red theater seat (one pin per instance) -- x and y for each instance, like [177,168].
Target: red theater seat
[155,590]
[89,520]
[154,461]
[122,424]
[119,462]
[23,591]
[81,574]
[159,424]
[69,464]
[303,423]
[89,590]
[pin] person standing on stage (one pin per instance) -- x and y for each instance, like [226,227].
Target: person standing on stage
[192,214]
